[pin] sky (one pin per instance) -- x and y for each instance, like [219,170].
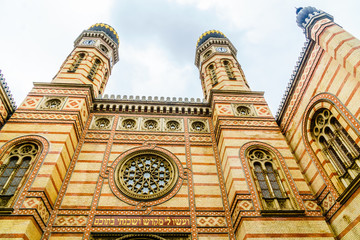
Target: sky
[158,40]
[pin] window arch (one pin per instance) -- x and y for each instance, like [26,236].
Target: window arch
[94,69]
[103,83]
[336,144]
[77,61]
[207,54]
[212,73]
[268,181]
[228,69]
[14,167]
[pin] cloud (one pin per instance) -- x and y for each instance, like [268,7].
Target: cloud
[157,40]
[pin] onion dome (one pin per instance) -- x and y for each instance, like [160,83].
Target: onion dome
[209,34]
[106,29]
[304,15]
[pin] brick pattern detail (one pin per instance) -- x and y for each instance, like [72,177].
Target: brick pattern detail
[59,91]
[311,205]
[224,110]
[328,202]
[302,83]
[73,104]
[242,205]
[149,138]
[200,139]
[77,221]
[239,99]
[97,136]
[39,205]
[249,123]
[211,222]
[3,111]
[44,116]
[263,111]
[30,102]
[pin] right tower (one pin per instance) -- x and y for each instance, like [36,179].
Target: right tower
[319,117]
[267,194]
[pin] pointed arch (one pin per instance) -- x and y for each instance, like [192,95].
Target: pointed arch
[270,179]
[79,57]
[96,65]
[331,134]
[211,69]
[17,162]
[228,68]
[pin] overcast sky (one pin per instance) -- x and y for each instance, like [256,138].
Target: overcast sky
[157,41]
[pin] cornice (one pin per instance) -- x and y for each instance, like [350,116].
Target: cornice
[208,43]
[300,64]
[104,37]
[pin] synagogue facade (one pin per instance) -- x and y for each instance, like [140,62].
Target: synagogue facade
[77,164]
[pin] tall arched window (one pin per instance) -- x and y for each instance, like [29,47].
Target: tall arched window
[103,83]
[212,73]
[271,190]
[228,69]
[94,69]
[336,144]
[78,59]
[207,54]
[13,169]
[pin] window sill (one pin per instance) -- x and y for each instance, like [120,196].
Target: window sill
[350,190]
[287,212]
[6,210]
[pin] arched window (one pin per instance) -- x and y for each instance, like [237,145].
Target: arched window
[13,169]
[336,144]
[268,181]
[212,73]
[103,83]
[94,69]
[207,54]
[77,61]
[228,69]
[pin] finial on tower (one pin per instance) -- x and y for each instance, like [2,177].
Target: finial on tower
[307,16]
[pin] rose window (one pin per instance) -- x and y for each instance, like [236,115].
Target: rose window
[129,123]
[150,124]
[53,103]
[146,176]
[198,126]
[173,125]
[243,110]
[102,123]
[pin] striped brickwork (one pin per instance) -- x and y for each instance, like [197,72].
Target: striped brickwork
[223,81]
[57,132]
[80,76]
[88,191]
[7,103]
[329,78]
[234,135]
[3,113]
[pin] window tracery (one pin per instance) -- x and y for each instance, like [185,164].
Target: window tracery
[94,69]
[336,144]
[13,169]
[268,181]
[78,59]
[212,73]
[146,176]
[228,70]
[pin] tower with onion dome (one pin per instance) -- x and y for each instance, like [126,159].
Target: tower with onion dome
[95,53]
[216,59]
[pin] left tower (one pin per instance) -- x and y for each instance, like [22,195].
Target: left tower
[39,141]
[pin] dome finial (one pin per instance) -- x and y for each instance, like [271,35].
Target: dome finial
[110,31]
[208,34]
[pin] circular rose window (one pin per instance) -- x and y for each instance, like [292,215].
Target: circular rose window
[146,176]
